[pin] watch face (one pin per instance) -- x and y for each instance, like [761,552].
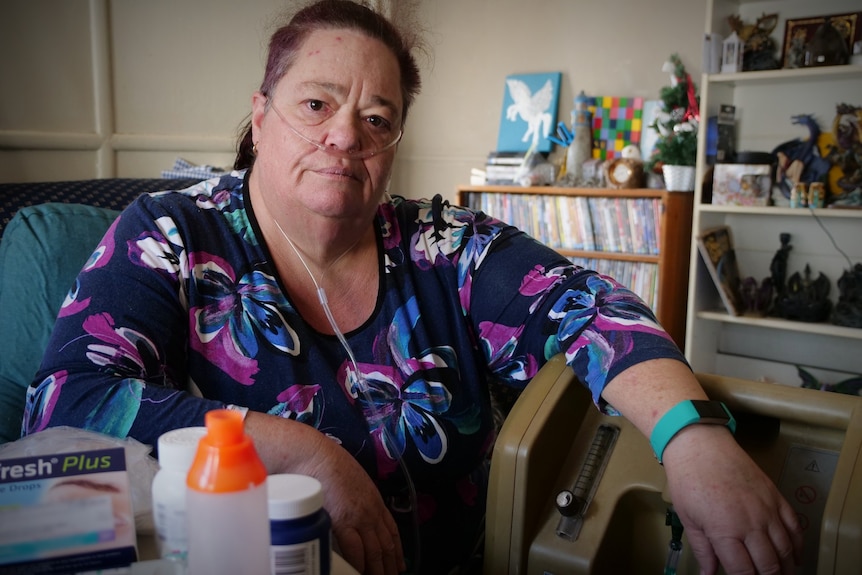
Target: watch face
[710,411]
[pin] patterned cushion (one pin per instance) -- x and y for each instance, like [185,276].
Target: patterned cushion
[44,249]
[112,193]
[50,235]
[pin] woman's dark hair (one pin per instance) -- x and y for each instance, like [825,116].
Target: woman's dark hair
[326,15]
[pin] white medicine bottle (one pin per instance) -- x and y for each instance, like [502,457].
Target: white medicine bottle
[177,450]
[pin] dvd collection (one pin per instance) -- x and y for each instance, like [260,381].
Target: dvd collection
[603,224]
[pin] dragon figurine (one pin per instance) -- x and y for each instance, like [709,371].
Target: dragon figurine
[799,160]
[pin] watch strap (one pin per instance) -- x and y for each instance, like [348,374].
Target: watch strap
[685,413]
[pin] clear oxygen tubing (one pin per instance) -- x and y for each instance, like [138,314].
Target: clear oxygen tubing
[331,150]
[357,377]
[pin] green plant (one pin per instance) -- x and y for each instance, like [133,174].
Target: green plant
[677,123]
[678,149]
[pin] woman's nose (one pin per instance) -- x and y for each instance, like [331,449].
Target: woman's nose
[344,132]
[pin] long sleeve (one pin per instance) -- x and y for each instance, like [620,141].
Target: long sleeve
[117,359]
[527,303]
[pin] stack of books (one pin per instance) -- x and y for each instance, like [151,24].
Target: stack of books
[502,168]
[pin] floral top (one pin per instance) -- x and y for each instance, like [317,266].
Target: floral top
[181,300]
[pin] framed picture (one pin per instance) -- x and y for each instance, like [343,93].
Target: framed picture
[529,113]
[617,123]
[716,249]
[798,32]
[649,135]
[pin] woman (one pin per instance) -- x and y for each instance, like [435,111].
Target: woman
[360,333]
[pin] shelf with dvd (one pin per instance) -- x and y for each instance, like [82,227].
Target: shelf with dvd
[640,237]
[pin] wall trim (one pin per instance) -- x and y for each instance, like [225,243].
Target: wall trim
[103,93]
[33,140]
[168,142]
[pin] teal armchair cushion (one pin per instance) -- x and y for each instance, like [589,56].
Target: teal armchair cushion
[42,250]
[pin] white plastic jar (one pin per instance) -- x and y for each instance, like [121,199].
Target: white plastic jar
[177,450]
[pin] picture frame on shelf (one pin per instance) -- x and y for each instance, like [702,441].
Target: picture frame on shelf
[798,33]
[617,122]
[649,135]
[741,184]
[529,113]
[716,248]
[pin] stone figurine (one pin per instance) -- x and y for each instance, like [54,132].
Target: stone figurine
[848,310]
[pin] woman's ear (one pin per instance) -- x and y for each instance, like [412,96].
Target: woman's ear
[259,104]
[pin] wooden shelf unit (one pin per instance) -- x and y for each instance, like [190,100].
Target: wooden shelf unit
[674,241]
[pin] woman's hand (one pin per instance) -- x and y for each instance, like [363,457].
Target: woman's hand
[365,532]
[732,512]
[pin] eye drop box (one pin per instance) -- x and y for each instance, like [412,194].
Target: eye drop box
[66,513]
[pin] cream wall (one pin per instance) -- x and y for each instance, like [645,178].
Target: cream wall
[101,88]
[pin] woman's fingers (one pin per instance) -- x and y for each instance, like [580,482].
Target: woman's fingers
[350,547]
[371,551]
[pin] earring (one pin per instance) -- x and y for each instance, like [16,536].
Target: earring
[254,149]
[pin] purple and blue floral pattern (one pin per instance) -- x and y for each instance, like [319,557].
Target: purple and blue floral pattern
[180,311]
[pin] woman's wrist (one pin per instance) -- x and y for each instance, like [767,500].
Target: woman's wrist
[693,440]
[686,413]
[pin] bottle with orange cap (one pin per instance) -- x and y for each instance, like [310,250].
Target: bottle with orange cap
[228,522]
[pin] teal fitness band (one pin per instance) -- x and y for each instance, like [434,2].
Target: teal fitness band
[687,413]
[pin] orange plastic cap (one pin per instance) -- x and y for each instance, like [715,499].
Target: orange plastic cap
[226,459]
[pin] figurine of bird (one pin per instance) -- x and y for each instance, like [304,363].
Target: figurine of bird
[532,108]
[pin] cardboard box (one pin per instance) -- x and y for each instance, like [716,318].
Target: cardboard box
[66,513]
[741,184]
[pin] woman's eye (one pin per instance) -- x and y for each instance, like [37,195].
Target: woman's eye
[315,105]
[379,122]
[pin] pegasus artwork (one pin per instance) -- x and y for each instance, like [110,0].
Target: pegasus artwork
[532,108]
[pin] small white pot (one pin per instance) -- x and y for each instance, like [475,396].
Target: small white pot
[678,178]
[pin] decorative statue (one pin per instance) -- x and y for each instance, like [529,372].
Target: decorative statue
[582,142]
[805,299]
[759,53]
[798,298]
[827,47]
[845,155]
[848,310]
[778,267]
[800,160]
[756,298]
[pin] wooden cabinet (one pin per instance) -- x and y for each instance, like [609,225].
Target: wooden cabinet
[827,240]
[540,211]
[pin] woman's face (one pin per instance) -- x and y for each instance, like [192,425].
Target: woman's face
[339,102]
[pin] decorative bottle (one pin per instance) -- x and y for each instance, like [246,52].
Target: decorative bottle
[227,502]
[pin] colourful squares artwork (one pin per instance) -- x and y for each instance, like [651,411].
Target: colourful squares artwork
[617,122]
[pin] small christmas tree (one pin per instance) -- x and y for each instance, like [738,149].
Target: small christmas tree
[677,123]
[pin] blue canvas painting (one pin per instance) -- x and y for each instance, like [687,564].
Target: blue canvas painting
[529,112]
